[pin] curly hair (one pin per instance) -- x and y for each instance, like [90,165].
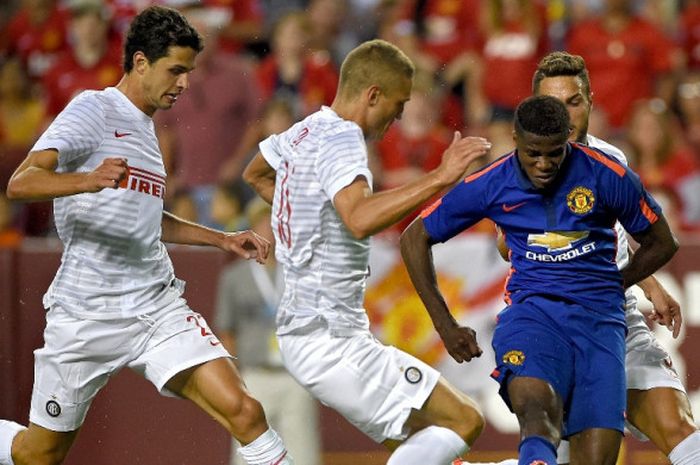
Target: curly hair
[542,115]
[558,64]
[154,31]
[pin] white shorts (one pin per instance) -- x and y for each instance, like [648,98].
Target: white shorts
[79,356]
[647,364]
[372,385]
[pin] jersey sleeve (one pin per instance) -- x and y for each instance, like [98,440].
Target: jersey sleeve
[341,159]
[459,209]
[77,131]
[625,195]
[270,150]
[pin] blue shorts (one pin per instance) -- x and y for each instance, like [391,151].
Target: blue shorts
[578,351]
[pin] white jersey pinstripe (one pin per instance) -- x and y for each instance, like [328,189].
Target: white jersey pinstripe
[325,266]
[114,264]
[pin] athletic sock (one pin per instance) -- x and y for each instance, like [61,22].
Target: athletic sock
[8,431]
[536,450]
[267,449]
[433,445]
[687,452]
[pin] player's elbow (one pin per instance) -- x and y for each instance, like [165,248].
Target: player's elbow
[15,190]
[359,232]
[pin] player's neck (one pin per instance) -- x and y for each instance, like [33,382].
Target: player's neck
[351,111]
[132,90]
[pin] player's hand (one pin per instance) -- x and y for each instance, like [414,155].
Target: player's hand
[461,153]
[109,174]
[460,342]
[247,244]
[666,310]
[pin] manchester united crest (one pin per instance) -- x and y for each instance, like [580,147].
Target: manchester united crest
[514,357]
[580,200]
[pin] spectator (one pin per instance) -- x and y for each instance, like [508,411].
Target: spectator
[93,60]
[628,57]
[10,236]
[37,34]
[210,120]
[21,113]
[689,29]
[688,104]
[244,25]
[307,79]
[662,159]
[329,28]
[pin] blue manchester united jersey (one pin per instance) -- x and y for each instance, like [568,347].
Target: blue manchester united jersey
[562,240]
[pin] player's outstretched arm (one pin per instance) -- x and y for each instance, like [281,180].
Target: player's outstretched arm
[657,245]
[459,341]
[365,213]
[247,244]
[261,177]
[666,309]
[36,178]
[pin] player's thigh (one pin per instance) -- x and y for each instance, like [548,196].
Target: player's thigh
[374,386]
[663,414]
[448,407]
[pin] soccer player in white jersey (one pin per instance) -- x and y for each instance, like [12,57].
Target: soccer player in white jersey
[657,404]
[115,301]
[315,175]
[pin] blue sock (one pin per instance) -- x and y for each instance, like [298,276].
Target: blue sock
[536,450]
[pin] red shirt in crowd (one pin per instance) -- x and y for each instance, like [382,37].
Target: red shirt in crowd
[622,65]
[690,34]
[241,11]
[316,85]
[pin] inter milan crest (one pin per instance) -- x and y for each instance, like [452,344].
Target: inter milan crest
[52,408]
[413,375]
[580,200]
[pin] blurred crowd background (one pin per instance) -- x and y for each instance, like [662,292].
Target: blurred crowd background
[269,63]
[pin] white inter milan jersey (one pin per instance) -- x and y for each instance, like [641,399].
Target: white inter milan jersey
[114,264]
[325,267]
[633,316]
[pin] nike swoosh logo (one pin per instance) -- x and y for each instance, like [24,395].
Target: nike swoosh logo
[121,134]
[279,460]
[510,208]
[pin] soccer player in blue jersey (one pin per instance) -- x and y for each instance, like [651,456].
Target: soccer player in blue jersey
[560,342]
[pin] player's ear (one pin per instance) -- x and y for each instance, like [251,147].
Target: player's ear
[373,94]
[140,62]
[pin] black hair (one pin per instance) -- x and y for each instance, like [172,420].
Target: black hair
[154,31]
[542,115]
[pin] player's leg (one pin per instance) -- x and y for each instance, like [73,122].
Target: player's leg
[449,419]
[664,415]
[33,445]
[68,372]
[595,446]
[502,462]
[184,358]
[657,405]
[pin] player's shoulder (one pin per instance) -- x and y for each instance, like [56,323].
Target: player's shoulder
[597,160]
[495,168]
[607,148]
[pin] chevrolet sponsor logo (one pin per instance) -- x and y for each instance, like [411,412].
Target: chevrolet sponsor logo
[555,241]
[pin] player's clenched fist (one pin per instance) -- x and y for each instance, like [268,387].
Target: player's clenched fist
[247,244]
[108,174]
[460,154]
[460,342]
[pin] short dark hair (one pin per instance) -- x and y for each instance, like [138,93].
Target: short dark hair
[561,64]
[542,115]
[154,31]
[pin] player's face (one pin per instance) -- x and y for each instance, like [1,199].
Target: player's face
[540,157]
[389,107]
[571,91]
[166,78]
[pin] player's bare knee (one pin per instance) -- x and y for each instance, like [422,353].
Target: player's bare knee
[469,424]
[673,430]
[244,414]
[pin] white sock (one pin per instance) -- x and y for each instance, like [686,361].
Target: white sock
[267,449]
[8,431]
[433,445]
[687,452]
